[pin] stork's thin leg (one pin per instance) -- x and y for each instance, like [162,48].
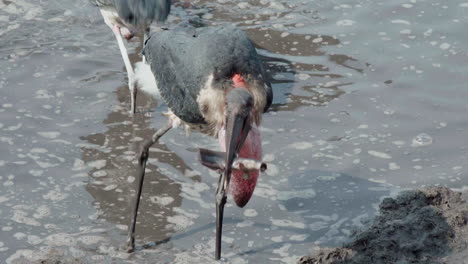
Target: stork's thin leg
[128,67]
[141,176]
[220,202]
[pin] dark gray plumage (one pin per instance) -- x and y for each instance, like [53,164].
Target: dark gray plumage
[138,12]
[183,58]
[214,78]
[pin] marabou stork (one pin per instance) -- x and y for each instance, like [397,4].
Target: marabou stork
[128,17]
[212,79]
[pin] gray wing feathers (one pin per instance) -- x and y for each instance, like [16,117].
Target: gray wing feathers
[168,61]
[184,58]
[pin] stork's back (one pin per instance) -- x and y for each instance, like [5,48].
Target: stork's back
[184,59]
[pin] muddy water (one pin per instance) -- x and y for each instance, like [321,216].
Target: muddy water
[370,99]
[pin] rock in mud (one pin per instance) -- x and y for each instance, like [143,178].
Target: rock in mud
[421,226]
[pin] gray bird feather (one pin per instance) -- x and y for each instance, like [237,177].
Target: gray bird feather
[183,58]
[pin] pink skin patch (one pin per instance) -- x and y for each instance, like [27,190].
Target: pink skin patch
[238,81]
[242,184]
[123,31]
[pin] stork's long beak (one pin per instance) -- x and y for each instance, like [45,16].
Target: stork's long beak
[237,129]
[239,103]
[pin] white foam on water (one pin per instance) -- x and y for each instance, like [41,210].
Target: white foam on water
[379,154]
[49,135]
[61,141]
[21,217]
[345,22]
[100,173]
[422,140]
[7,140]
[298,237]
[97,164]
[25,254]
[444,46]
[162,200]
[200,201]
[399,142]
[228,240]
[110,187]
[3,199]
[301,145]
[287,223]
[400,21]
[268,158]
[272,170]
[14,128]
[245,223]
[78,165]
[122,227]
[277,239]
[39,150]
[56,157]
[181,222]
[319,225]
[19,236]
[60,239]
[33,240]
[41,212]
[303,194]
[265,191]
[195,188]
[184,212]
[283,252]
[55,195]
[250,212]
[91,240]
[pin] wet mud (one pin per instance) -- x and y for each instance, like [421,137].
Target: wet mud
[421,226]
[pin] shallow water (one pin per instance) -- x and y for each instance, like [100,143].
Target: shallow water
[369,100]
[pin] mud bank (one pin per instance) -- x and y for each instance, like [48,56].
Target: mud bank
[421,226]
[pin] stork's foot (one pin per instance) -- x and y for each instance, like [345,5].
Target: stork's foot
[130,246]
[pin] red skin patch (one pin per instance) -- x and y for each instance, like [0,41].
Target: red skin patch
[238,81]
[127,33]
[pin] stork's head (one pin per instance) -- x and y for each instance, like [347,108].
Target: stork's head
[240,137]
[234,110]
